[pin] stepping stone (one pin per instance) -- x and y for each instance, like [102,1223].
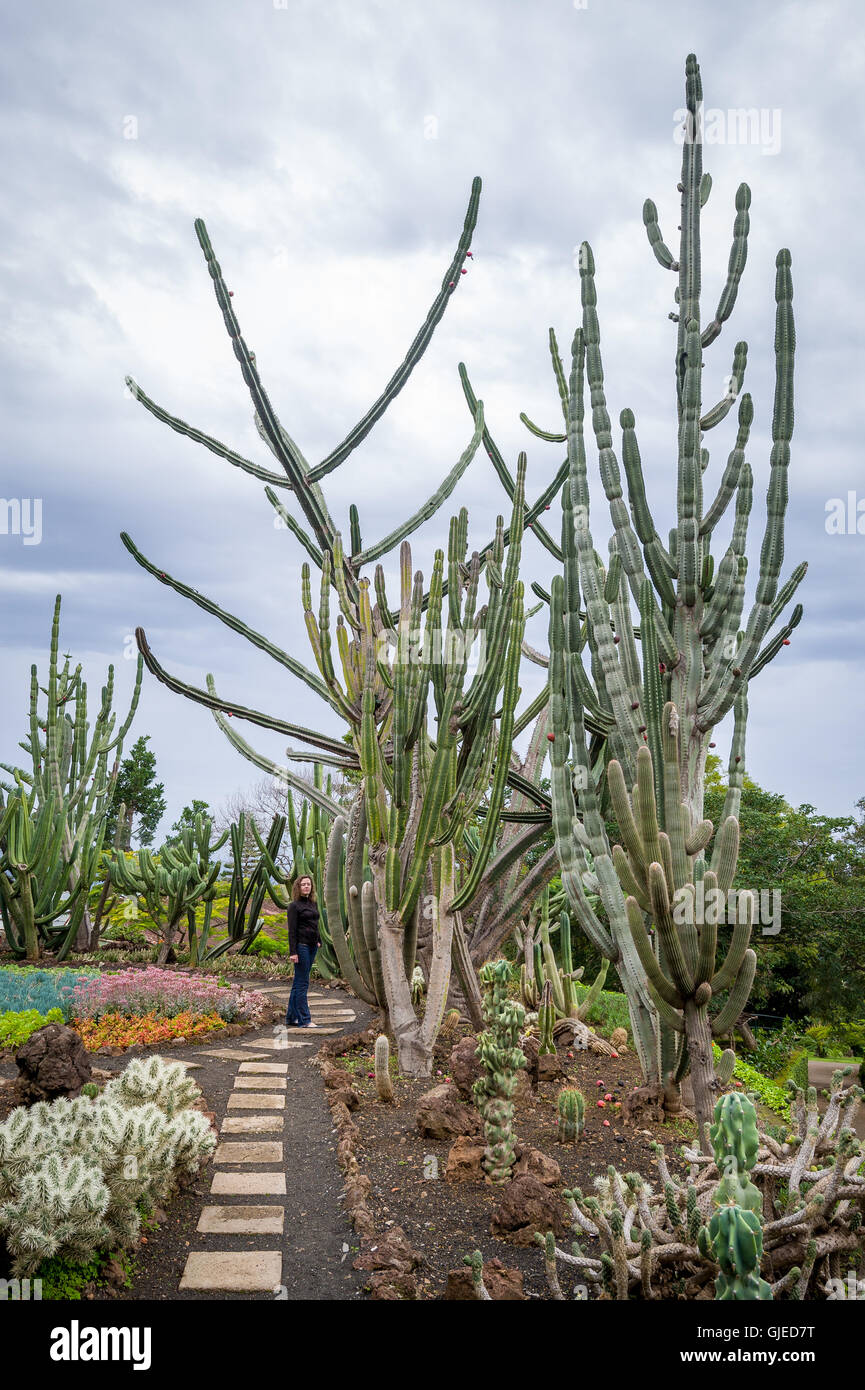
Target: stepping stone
[242,1221]
[247,1184]
[278,1044]
[229,1054]
[247,1101]
[258,1271]
[255,1151]
[260,1083]
[276,1068]
[319,1016]
[252,1124]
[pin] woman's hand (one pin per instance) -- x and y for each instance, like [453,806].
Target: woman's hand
[293,959]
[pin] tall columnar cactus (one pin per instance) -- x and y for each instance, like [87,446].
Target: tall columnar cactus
[175,881]
[431,744]
[546,1020]
[609,677]
[656,872]
[383,1083]
[501,1057]
[52,822]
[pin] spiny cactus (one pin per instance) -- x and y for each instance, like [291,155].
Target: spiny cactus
[688,1231]
[52,823]
[610,677]
[501,1057]
[450,1023]
[571,1105]
[74,1174]
[383,1083]
[657,872]
[173,882]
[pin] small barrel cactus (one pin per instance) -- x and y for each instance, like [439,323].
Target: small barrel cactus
[572,1114]
[450,1023]
[383,1083]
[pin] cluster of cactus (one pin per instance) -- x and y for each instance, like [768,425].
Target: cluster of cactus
[52,818]
[175,881]
[659,873]
[501,1058]
[546,1021]
[571,1105]
[75,1174]
[610,678]
[432,747]
[562,979]
[794,1204]
[383,1082]
[307,834]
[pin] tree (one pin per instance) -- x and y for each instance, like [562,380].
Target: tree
[815,963]
[186,820]
[138,790]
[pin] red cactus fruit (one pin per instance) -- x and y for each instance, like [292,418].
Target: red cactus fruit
[463,271]
[786,642]
[617,638]
[661,667]
[551,737]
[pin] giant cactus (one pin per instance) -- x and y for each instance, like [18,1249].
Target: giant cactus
[421,785]
[610,677]
[52,824]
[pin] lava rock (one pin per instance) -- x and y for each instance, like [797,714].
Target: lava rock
[442,1115]
[527,1206]
[502,1284]
[464,1162]
[533,1161]
[53,1062]
[464,1067]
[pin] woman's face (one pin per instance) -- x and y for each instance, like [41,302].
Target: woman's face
[305,887]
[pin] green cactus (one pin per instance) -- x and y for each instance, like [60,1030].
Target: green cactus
[737,1244]
[175,881]
[571,1105]
[52,823]
[734,1143]
[546,1021]
[691,646]
[383,1083]
[656,871]
[501,1058]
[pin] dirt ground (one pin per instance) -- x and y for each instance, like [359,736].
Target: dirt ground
[448,1221]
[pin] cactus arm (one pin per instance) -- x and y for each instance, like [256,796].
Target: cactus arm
[737,998]
[735,460]
[348,969]
[723,407]
[214,445]
[296,529]
[416,350]
[236,624]
[735,265]
[663,254]
[431,506]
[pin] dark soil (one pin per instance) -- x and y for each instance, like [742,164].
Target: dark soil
[448,1221]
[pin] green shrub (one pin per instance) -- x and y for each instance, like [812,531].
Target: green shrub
[15,1028]
[796,1069]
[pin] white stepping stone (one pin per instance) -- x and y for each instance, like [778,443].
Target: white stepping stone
[252,1124]
[254,1151]
[248,1184]
[280,1044]
[245,1100]
[258,1271]
[230,1054]
[242,1221]
[276,1068]
[260,1083]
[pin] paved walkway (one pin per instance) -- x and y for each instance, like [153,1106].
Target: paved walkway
[273,1187]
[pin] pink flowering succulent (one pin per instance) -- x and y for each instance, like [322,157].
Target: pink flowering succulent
[165,994]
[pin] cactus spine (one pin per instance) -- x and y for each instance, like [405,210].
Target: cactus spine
[501,1058]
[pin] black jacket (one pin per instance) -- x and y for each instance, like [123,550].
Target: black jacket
[302,925]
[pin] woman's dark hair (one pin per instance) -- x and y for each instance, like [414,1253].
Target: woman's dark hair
[295,892]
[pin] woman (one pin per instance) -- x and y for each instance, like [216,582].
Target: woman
[303,942]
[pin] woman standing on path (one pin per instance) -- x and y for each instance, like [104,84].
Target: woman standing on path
[303,942]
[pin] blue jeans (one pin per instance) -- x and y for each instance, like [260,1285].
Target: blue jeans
[297,1013]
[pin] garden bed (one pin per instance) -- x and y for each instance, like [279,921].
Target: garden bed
[446,1221]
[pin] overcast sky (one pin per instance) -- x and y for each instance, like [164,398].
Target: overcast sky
[330,148]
